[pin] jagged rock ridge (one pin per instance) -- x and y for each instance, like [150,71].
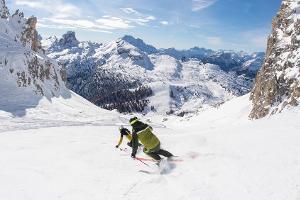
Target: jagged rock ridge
[277,84]
[149,49]
[4,12]
[23,62]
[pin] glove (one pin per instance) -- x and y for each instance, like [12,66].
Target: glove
[117,146]
[132,155]
[129,144]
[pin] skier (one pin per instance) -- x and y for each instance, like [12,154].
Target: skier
[143,132]
[126,132]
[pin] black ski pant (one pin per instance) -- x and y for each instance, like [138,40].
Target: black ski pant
[156,152]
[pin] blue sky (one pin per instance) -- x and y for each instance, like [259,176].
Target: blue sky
[217,24]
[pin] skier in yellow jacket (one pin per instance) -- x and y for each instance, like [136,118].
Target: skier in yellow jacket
[143,132]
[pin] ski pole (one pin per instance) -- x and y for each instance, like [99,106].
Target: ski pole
[135,158]
[124,150]
[141,161]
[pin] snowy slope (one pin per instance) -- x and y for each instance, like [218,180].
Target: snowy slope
[36,112]
[226,156]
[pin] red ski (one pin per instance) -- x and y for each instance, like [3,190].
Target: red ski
[152,160]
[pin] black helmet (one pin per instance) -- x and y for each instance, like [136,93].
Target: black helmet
[121,127]
[133,120]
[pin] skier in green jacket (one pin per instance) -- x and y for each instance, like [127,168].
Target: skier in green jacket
[143,132]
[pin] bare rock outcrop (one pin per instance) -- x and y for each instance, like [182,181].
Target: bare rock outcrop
[30,35]
[4,12]
[22,59]
[69,40]
[277,85]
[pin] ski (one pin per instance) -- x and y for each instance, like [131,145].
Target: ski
[152,160]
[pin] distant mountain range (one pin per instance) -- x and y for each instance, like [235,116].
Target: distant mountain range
[131,76]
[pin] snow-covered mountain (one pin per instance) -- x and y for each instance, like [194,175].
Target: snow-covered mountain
[27,75]
[239,62]
[278,83]
[139,43]
[32,85]
[130,75]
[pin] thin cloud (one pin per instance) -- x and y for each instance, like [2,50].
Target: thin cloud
[114,22]
[214,41]
[66,15]
[138,17]
[198,5]
[164,23]
[106,23]
[56,8]
[130,11]
[61,13]
[55,26]
[257,37]
[143,21]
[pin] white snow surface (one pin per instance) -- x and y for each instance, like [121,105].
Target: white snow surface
[64,149]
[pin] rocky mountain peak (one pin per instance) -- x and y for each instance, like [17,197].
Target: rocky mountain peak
[140,44]
[69,40]
[277,84]
[4,12]
[23,63]
[30,35]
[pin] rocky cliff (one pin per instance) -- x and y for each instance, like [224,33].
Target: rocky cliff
[4,12]
[277,85]
[23,62]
